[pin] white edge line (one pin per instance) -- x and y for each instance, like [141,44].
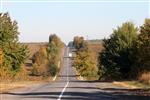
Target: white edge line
[54,78]
[67,1]
[63,91]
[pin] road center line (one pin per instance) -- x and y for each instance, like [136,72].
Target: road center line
[62,92]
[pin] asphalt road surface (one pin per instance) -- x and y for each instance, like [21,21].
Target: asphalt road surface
[67,87]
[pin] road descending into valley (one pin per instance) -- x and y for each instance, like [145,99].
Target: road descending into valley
[67,87]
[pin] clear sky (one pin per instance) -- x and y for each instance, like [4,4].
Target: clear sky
[37,20]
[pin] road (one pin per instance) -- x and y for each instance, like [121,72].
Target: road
[67,87]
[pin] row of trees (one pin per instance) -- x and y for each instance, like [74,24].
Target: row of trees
[14,53]
[47,59]
[126,53]
[84,62]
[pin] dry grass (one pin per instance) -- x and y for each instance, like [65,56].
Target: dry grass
[145,78]
[132,84]
[24,78]
[7,86]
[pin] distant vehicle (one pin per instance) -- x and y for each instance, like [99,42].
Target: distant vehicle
[70,54]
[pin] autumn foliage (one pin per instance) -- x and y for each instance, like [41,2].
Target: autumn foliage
[84,62]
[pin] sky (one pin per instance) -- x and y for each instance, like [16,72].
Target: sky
[91,19]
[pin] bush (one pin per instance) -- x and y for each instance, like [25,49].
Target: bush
[40,70]
[53,69]
[5,74]
[40,57]
[21,75]
[36,70]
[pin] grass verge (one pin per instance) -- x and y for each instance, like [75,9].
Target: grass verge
[133,84]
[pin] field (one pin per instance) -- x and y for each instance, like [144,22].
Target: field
[96,46]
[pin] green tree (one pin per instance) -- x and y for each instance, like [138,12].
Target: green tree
[141,51]
[114,59]
[15,53]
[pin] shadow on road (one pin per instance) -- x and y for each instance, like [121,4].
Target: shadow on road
[113,94]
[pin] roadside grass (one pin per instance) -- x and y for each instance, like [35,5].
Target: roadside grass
[7,86]
[133,84]
[8,83]
[145,78]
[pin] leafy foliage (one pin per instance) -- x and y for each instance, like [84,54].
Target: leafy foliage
[14,53]
[141,51]
[47,58]
[54,49]
[84,61]
[114,60]
[40,57]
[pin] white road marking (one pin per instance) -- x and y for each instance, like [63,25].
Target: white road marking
[62,92]
[54,78]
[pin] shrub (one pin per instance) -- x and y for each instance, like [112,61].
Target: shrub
[40,70]
[41,56]
[53,69]
[5,74]
[22,74]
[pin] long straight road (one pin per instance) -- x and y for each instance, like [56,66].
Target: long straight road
[67,87]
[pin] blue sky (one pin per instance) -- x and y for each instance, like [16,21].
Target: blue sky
[96,20]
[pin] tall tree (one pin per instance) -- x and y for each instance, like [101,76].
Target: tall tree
[141,51]
[54,49]
[114,60]
[15,53]
[84,61]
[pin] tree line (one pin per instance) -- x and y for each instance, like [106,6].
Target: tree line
[46,61]
[126,53]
